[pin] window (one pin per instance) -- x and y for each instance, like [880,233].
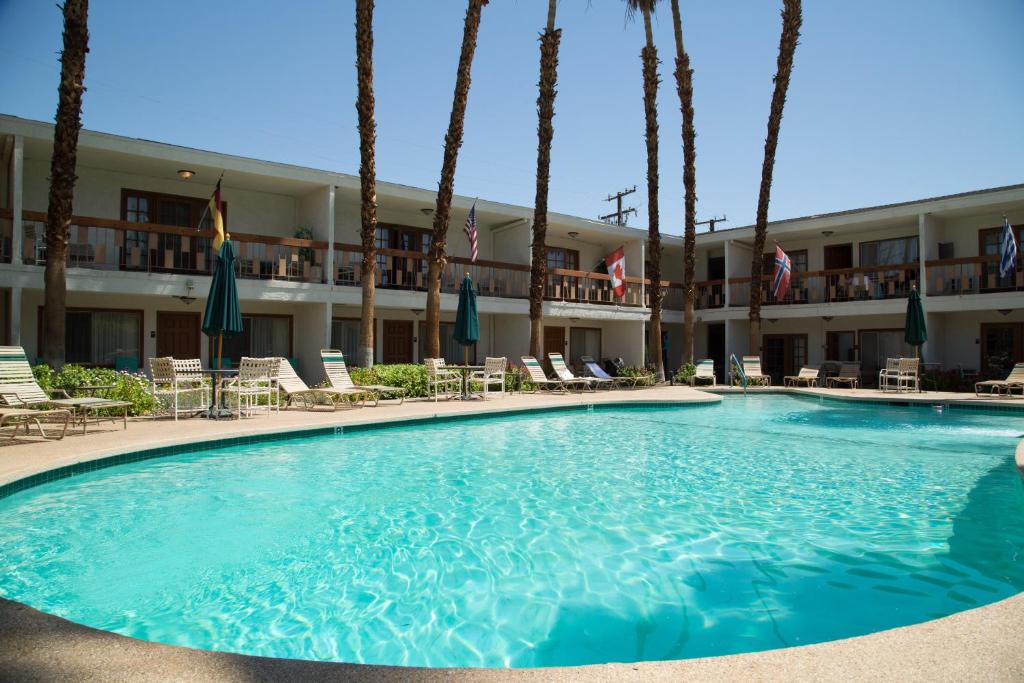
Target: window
[184,212]
[451,350]
[584,341]
[100,337]
[840,346]
[797,259]
[889,252]
[263,336]
[400,271]
[567,259]
[876,346]
[345,338]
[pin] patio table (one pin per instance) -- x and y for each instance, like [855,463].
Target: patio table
[466,370]
[217,409]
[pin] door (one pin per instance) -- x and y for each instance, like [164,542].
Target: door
[177,334]
[716,267]
[554,341]
[838,256]
[877,346]
[784,354]
[397,341]
[716,349]
[839,346]
[1002,345]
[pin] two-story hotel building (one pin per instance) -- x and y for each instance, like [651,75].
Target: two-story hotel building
[140,263]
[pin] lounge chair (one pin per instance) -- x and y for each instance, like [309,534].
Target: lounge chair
[337,375]
[752,369]
[292,387]
[16,417]
[704,372]
[18,386]
[542,381]
[592,369]
[564,373]
[808,377]
[493,373]
[1015,380]
[849,375]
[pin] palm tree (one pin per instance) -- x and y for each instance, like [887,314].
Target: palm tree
[545,131]
[62,177]
[791,20]
[684,84]
[649,59]
[437,258]
[367,175]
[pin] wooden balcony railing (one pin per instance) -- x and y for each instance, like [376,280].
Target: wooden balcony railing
[577,286]
[972,275]
[105,244]
[873,283]
[397,269]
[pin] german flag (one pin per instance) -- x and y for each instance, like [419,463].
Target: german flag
[218,217]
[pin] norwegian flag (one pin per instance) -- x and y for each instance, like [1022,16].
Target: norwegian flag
[616,262]
[783,269]
[470,231]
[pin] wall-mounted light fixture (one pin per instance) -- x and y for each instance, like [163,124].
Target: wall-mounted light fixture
[573,234]
[1004,311]
[185,173]
[187,299]
[827,318]
[426,210]
[827,233]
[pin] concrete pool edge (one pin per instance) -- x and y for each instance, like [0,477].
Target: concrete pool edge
[977,644]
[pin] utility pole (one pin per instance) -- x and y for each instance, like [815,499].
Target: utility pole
[711,222]
[620,214]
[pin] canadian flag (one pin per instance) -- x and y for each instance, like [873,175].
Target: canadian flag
[616,262]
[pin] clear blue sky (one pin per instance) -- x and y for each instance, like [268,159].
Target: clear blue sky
[889,101]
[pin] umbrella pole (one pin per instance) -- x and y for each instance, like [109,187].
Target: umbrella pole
[220,348]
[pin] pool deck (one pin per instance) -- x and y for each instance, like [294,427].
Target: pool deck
[981,644]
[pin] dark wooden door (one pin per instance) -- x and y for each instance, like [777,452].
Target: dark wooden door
[177,334]
[1002,345]
[716,348]
[838,256]
[554,340]
[784,354]
[397,341]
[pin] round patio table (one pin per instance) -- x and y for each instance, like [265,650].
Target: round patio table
[465,370]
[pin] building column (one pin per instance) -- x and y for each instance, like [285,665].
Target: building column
[15,316]
[726,286]
[328,313]
[924,224]
[17,182]
[329,259]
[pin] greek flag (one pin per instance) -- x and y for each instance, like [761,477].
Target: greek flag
[1007,251]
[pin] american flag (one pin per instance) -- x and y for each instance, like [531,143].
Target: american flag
[470,231]
[783,269]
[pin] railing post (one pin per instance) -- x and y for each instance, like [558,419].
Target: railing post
[17,202]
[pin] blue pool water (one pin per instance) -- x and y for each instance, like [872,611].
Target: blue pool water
[621,534]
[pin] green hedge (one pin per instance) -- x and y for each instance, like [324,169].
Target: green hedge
[413,378]
[646,376]
[133,388]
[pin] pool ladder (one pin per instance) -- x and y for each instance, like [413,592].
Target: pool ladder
[737,368]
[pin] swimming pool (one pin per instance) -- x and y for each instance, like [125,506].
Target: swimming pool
[572,537]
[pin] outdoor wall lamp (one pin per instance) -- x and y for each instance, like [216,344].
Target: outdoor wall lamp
[186,173]
[187,299]
[827,233]
[573,234]
[827,318]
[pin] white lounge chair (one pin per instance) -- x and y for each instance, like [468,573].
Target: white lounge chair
[849,375]
[542,381]
[292,387]
[564,373]
[256,379]
[752,369]
[338,377]
[592,369]
[1015,380]
[180,383]
[808,376]
[18,386]
[16,417]
[705,372]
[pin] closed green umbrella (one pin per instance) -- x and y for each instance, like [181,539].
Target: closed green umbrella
[467,323]
[223,317]
[915,331]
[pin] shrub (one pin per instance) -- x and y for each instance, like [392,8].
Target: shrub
[127,386]
[410,376]
[646,377]
[686,372]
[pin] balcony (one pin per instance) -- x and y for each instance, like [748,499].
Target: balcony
[972,275]
[876,283]
[104,244]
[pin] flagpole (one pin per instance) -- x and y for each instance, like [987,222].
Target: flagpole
[206,210]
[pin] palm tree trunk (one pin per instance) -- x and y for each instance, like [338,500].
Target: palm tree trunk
[62,177]
[684,84]
[791,20]
[452,142]
[545,132]
[649,57]
[367,176]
